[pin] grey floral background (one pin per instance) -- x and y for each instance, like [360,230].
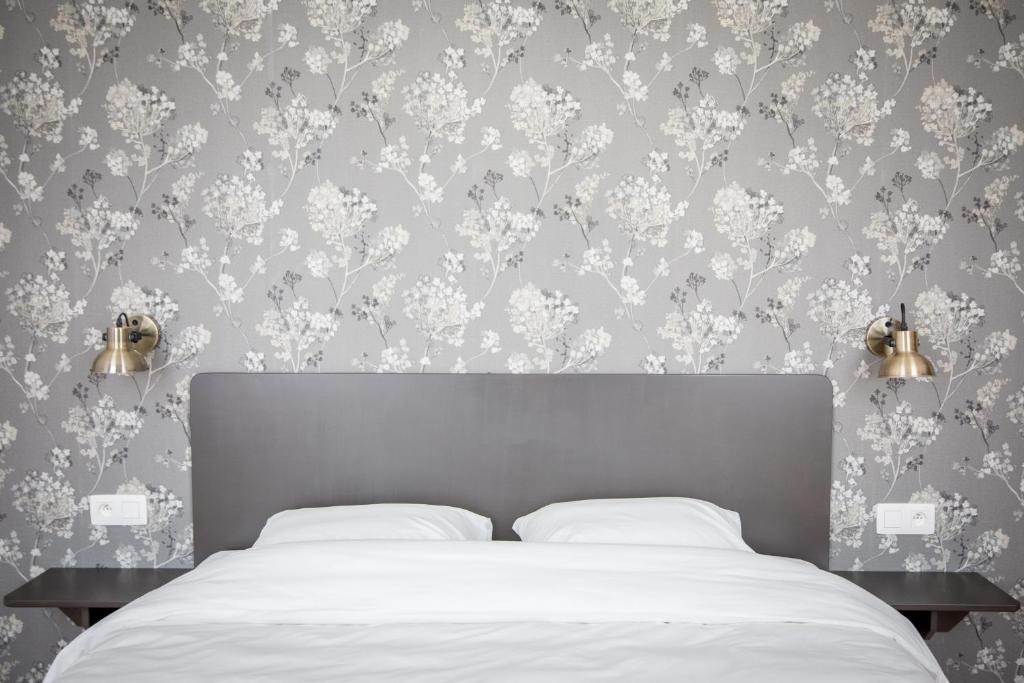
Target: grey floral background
[500,186]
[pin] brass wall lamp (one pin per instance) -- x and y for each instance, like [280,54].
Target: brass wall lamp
[896,344]
[131,337]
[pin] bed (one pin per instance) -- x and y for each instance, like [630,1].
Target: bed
[502,446]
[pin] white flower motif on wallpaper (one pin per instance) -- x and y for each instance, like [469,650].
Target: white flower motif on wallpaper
[513,186]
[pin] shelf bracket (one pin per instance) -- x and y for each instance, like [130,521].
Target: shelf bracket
[928,622]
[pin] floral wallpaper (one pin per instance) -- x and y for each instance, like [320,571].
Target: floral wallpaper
[506,186]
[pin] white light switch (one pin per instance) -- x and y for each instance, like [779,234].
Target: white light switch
[905,518]
[114,510]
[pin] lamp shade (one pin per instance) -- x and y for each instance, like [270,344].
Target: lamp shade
[119,358]
[905,360]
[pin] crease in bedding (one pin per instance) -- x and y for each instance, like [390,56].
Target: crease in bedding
[680,611]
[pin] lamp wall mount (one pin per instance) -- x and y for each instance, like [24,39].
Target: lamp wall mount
[878,337]
[145,333]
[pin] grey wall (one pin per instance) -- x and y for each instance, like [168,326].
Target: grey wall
[630,186]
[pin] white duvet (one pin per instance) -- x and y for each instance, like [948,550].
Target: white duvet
[493,611]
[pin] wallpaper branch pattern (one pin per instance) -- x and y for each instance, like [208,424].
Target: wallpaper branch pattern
[506,186]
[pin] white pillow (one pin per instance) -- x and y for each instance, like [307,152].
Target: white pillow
[383,521]
[634,521]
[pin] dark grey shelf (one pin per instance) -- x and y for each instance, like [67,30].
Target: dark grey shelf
[935,602]
[86,595]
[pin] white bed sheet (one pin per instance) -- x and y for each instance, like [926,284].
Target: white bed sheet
[464,611]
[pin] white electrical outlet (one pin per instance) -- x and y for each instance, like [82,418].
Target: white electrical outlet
[114,510]
[905,518]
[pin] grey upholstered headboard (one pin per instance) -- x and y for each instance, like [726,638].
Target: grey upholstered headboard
[504,445]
